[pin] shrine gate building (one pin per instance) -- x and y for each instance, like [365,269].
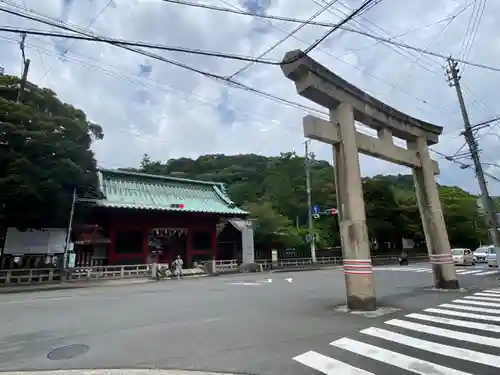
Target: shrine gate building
[143,218]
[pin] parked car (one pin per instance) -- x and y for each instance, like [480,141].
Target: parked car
[481,254]
[462,257]
[492,257]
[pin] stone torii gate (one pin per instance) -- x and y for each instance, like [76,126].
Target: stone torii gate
[347,104]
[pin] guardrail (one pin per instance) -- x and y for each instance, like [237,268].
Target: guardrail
[108,272]
[50,275]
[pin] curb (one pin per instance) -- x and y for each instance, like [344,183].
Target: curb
[82,285]
[305,269]
[115,372]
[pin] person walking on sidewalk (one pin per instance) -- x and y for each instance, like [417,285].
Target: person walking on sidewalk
[178,263]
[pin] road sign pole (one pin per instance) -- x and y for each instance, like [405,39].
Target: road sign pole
[309,202]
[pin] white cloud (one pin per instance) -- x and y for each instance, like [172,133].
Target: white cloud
[174,112]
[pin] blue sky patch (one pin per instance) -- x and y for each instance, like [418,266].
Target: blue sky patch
[226,115]
[145,70]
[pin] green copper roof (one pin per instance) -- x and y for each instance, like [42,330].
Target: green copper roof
[123,189]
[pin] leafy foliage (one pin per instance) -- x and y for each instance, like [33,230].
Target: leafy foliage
[273,190]
[44,155]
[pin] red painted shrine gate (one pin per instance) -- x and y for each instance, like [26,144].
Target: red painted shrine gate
[146,218]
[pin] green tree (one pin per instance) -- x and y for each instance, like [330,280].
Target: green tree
[45,154]
[271,227]
[274,187]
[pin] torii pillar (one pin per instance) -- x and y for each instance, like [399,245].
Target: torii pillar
[348,104]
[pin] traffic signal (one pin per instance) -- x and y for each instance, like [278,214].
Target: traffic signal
[332,211]
[177,205]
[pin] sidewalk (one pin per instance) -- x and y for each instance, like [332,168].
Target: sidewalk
[82,284]
[70,285]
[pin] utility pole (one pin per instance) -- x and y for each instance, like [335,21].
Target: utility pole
[24,74]
[309,202]
[489,207]
[64,261]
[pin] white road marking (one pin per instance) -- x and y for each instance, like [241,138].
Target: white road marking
[494,291]
[464,314]
[429,346]
[456,335]
[327,365]
[246,283]
[402,361]
[488,273]
[476,303]
[489,294]
[455,322]
[482,298]
[469,272]
[289,279]
[469,308]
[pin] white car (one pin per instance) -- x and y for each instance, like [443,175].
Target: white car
[481,254]
[462,257]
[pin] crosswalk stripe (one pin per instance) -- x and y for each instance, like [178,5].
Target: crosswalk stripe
[490,295]
[479,298]
[488,273]
[456,335]
[494,291]
[469,272]
[469,308]
[327,365]
[463,271]
[429,346]
[476,303]
[462,314]
[455,322]
[415,365]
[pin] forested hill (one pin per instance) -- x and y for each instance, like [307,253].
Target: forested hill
[273,189]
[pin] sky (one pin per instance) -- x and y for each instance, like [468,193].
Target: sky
[149,106]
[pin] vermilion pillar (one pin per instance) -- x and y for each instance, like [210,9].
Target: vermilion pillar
[145,245]
[189,247]
[111,245]
[214,242]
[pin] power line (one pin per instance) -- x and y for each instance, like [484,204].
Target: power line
[113,41]
[326,24]
[242,57]
[216,77]
[286,37]
[71,45]
[56,23]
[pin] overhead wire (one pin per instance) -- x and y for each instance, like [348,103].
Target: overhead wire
[285,38]
[66,50]
[54,22]
[429,45]
[466,91]
[239,11]
[473,26]
[463,165]
[267,95]
[360,32]
[168,89]
[216,77]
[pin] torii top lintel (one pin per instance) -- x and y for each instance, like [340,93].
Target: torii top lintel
[322,86]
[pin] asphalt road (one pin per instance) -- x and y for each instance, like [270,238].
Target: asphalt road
[240,323]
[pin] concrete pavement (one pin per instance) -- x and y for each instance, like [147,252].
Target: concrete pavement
[242,324]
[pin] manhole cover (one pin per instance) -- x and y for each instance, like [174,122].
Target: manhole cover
[68,352]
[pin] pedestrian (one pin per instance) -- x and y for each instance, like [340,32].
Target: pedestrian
[178,263]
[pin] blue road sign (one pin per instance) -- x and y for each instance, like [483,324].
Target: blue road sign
[309,238]
[316,209]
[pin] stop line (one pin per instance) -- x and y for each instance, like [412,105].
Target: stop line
[459,271]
